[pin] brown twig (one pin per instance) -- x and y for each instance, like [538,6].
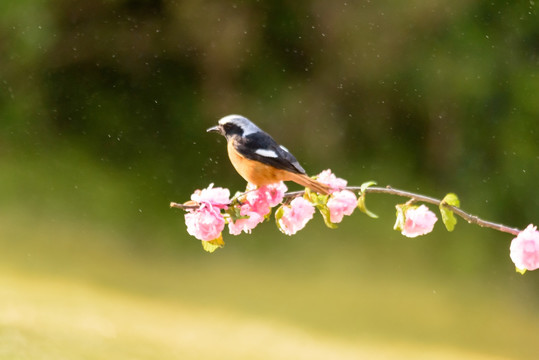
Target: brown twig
[472,219]
[183,206]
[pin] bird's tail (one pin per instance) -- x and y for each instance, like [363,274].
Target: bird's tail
[312,184]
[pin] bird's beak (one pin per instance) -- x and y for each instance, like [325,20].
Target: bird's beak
[215,129]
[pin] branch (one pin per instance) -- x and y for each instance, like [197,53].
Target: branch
[472,219]
[182,206]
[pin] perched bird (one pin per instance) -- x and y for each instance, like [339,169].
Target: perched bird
[258,158]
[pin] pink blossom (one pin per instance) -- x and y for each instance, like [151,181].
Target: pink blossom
[247,224]
[275,193]
[206,223]
[217,197]
[341,203]
[525,249]
[296,216]
[264,198]
[258,203]
[328,178]
[419,221]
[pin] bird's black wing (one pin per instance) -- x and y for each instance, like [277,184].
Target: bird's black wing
[261,147]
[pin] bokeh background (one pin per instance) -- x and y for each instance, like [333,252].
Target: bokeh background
[103,111]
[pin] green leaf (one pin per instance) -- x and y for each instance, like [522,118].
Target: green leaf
[361,200]
[323,199]
[448,217]
[401,217]
[267,216]
[316,199]
[320,202]
[366,185]
[235,213]
[324,210]
[361,205]
[212,245]
[451,199]
[278,215]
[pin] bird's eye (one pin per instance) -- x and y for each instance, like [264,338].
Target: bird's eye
[232,129]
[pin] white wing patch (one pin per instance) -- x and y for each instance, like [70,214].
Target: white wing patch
[285,149]
[267,153]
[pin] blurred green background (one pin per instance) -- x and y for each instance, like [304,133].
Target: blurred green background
[103,111]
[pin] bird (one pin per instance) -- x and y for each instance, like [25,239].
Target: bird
[258,158]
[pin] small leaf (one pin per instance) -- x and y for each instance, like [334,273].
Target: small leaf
[212,245]
[267,216]
[366,185]
[235,213]
[401,217]
[320,202]
[520,271]
[448,217]
[451,199]
[322,199]
[278,215]
[361,199]
[326,215]
[311,196]
[361,205]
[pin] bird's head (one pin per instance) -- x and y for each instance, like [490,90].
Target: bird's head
[234,125]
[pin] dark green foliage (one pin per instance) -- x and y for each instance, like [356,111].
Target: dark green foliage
[388,91]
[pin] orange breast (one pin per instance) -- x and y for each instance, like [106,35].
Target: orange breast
[253,171]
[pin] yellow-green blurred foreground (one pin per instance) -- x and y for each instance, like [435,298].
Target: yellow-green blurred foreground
[91,301]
